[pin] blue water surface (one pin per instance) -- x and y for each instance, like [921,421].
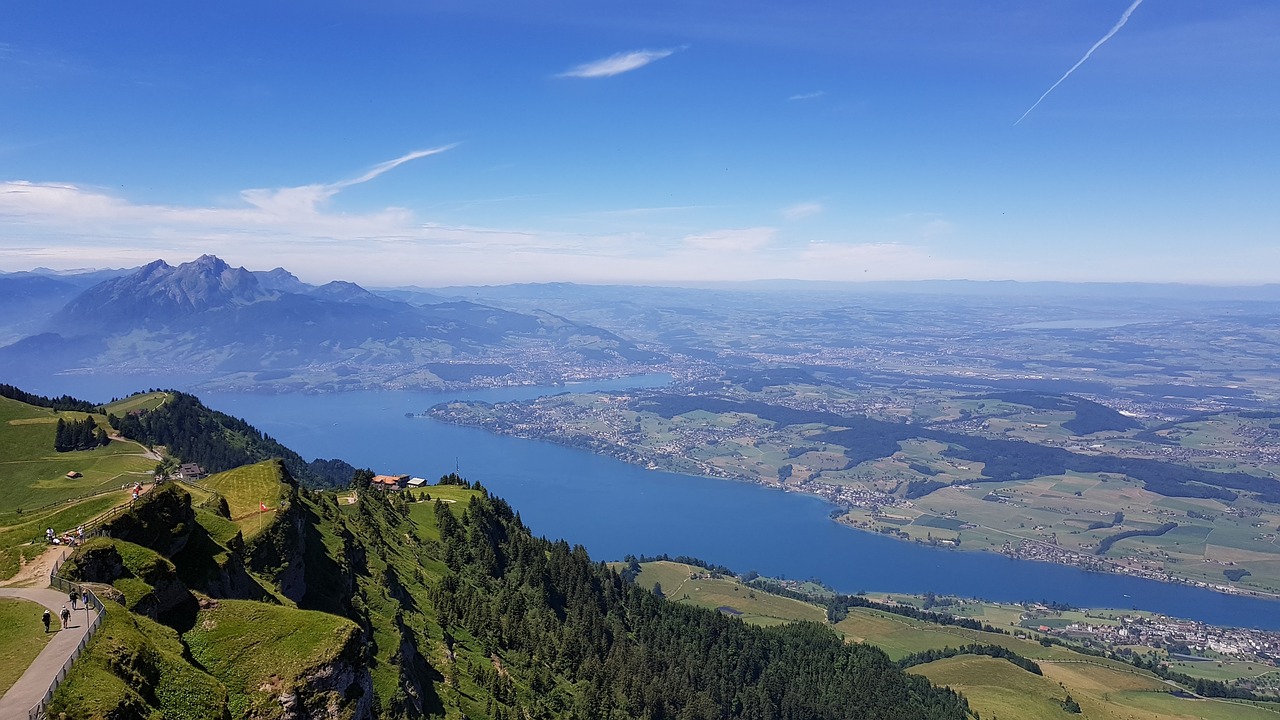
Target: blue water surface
[615,509]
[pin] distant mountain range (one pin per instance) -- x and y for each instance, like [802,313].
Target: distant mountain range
[206,319]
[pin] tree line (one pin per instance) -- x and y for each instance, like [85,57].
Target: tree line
[61,403]
[987,649]
[78,435]
[1105,543]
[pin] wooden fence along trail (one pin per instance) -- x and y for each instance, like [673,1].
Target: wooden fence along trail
[33,691]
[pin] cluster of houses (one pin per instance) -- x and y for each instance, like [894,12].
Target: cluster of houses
[397,482]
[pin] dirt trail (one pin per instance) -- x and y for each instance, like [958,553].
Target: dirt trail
[35,573]
[146,453]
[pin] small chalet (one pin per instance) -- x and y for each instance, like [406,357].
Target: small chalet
[190,471]
[390,482]
[73,475]
[415,483]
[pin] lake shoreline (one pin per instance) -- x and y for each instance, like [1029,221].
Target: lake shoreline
[1102,566]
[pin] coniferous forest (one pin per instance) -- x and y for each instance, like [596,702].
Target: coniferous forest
[78,435]
[636,655]
[217,441]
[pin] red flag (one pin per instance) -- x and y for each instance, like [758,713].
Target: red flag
[262,506]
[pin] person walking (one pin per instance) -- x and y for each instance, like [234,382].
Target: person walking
[74,597]
[46,618]
[66,617]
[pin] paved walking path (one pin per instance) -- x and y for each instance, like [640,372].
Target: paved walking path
[36,680]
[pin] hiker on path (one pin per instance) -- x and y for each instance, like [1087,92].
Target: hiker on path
[74,596]
[66,617]
[46,617]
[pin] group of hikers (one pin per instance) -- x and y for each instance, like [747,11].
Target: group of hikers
[67,538]
[74,598]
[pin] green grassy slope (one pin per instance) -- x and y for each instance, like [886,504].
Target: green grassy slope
[260,651]
[141,401]
[35,492]
[247,489]
[684,583]
[135,668]
[997,689]
[33,474]
[452,609]
[22,639]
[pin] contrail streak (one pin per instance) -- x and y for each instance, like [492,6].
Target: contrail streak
[1123,19]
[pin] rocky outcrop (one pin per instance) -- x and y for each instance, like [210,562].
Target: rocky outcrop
[161,520]
[145,582]
[97,561]
[338,690]
[279,552]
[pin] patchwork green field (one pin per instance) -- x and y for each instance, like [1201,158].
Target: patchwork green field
[920,489]
[1104,688]
[685,583]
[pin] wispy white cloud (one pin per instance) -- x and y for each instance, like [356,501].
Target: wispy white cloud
[617,64]
[390,165]
[306,197]
[800,211]
[63,225]
[746,240]
[808,95]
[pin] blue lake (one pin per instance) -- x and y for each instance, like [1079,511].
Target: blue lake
[614,508]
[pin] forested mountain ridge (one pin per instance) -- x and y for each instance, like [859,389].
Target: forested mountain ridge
[375,605]
[217,441]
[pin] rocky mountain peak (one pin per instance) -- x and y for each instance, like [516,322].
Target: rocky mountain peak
[159,292]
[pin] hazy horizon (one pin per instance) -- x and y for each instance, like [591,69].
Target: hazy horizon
[390,144]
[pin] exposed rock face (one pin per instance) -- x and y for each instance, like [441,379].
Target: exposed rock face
[338,690]
[233,581]
[341,691]
[167,593]
[161,520]
[97,561]
[160,292]
[279,552]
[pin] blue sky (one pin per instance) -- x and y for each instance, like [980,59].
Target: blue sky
[669,142]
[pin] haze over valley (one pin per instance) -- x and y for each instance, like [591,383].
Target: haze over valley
[674,361]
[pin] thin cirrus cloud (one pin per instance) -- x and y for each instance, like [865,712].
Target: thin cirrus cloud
[617,64]
[808,95]
[306,197]
[800,211]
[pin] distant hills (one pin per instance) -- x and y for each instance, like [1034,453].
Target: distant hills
[205,319]
[205,324]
